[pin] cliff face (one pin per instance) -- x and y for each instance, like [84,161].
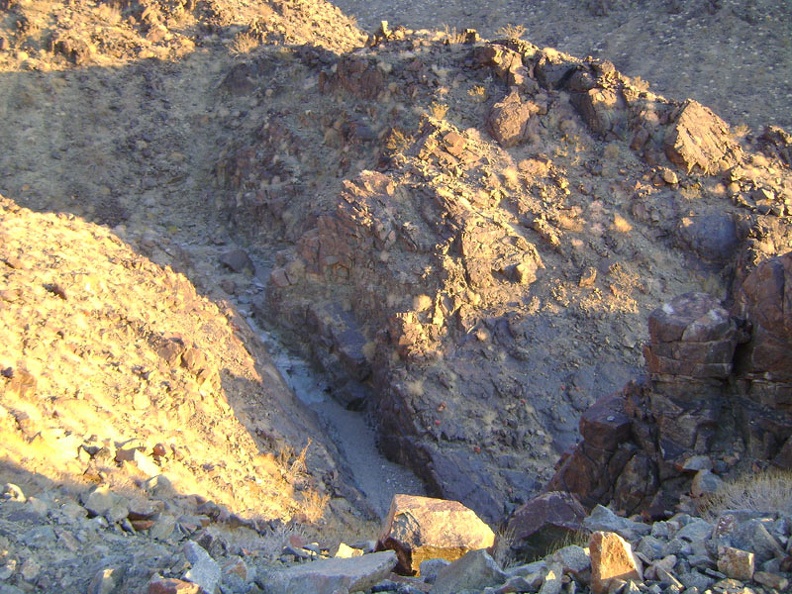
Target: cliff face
[717,399]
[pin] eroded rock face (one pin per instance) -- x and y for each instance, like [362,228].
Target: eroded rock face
[691,336]
[457,268]
[718,389]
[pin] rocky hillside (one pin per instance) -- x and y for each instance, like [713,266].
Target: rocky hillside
[467,235]
[507,217]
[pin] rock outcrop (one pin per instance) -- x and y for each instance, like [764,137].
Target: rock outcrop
[716,399]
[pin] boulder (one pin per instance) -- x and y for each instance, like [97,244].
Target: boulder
[765,300]
[691,336]
[698,139]
[204,570]
[508,120]
[420,528]
[544,521]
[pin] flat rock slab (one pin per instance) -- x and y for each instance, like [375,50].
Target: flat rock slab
[331,576]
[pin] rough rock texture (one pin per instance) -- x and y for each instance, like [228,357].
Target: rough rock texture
[611,559]
[537,526]
[474,571]
[331,576]
[709,371]
[421,528]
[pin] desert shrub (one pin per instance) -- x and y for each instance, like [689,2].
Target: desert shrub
[769,491]
[511,32]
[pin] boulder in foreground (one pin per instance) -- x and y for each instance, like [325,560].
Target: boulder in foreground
[421,528]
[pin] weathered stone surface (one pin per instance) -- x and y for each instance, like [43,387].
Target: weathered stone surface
[771,580]
[736,563]
[508,120]
[574,560]
[765,300]
[611,559]
[602,519]
[699,139]
[237,261]
[713,236]
[544,521]
[693,336]
[605,425]
[474,571]
[598,96]
[420,528]
[330,576]
[204,570]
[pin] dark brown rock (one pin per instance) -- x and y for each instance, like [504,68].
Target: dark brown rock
[508,120]
[765,301]
[543,522]
[692,336]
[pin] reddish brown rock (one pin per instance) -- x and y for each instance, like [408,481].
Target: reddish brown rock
[611,559]
[736,563]
[699,139]
[765,300]
[543,522]
[691,336]
[508,120]
[421,528]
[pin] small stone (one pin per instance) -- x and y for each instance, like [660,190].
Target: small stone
[705,483]
[669,176]
[105,580]
[160,585]
[553,582]
[603,519]
[346,552]
[430,568]
[771,580]
[12,492]
[736,563]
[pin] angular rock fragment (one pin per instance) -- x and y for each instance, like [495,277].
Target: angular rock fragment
[329,576]
[699,140]
[508,120]
[474,571]
[544,521]
[611,559]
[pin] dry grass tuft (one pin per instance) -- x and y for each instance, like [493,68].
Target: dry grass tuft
[438,110]
[768,492]
[511,31]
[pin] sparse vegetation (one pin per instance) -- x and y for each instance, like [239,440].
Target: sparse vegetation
[438,110]
[767,492]
[511,31]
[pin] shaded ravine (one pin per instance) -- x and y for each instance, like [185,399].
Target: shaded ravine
[377,477]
